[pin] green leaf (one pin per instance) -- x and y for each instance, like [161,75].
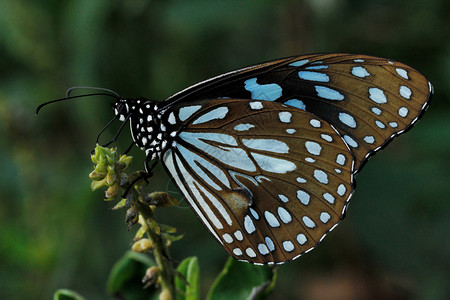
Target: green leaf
[188,285]
[65,294]
[125,278]
[240,280]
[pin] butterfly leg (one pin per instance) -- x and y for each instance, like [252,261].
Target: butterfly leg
[118,131]
[142,176]
[129,148]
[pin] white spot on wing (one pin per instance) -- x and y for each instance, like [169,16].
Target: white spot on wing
[256,105]
[291,131]
[269,243]
[272,164]
[313,148]
[393,124]
[315,123]
[328,197]
[262,248]
[248,225]
[376,110]
[237,251]
[283,198]
[405,92]
[328,93]
[250,252]
[301,239]
[341,190]
[269,92]
[313,76]
[317,67]
[285,116]
[254,213]
[350,141]
[403,73]
[299,63]
[303,197]
[270,145]
[347,120]
[380,124]
[227,238]
[360,72]
[271,219]
[238,235]
[369,139]
[377,95]
[187,111]
[308,222]
[296,103]
[284,215]
[326,137]
[301,180]
[243,127]
[217,113]
[288,246]
[321,176]
[324,217]
[403,112]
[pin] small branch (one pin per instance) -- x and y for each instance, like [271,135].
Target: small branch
[160,251]
[110,172]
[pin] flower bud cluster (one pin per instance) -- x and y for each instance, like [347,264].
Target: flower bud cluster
[109,170]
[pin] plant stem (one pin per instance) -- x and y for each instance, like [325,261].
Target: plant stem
[160,251]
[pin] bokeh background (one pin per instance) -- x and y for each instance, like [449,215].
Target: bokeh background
[56,233]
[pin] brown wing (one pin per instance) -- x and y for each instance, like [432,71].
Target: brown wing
[268,180]
[369,100]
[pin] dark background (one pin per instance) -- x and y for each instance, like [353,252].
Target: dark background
[56,233]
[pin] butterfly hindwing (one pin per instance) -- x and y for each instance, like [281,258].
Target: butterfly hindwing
[369,100]
[268,180]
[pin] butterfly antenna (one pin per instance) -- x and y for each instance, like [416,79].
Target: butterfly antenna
[69,90]
[74,97]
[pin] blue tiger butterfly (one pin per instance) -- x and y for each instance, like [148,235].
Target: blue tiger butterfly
[266,155]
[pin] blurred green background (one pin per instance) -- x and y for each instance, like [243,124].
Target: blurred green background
[56,233]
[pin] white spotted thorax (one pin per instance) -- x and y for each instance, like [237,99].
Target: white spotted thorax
[150,132]
[266,155]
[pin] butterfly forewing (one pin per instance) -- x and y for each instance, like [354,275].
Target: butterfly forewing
[268,180]
[369,100]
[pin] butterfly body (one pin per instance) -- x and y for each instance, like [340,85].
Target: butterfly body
[266,155]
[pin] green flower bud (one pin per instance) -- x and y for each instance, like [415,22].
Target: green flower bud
[98,184]
[110,178]
[112,191]
[131,217]
[143,245]
[165,295]
[95,175]
[160,199]
[151,276]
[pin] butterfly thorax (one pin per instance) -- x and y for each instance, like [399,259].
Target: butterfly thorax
[147,128]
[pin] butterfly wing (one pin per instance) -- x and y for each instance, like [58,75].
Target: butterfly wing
[369,100]
[268,180]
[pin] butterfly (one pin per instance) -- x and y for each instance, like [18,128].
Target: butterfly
[267,155]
